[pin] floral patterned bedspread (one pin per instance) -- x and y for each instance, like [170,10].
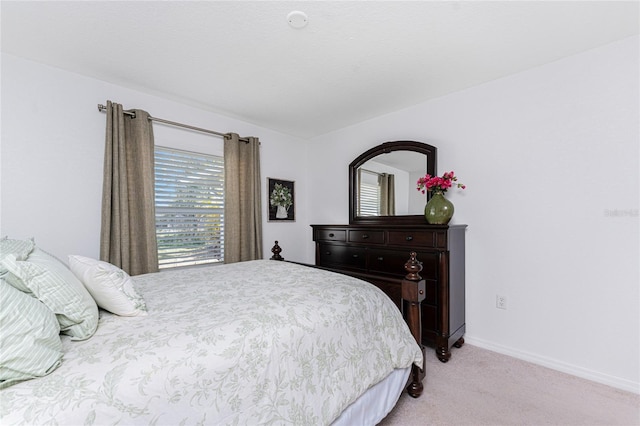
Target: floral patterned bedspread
[259,342]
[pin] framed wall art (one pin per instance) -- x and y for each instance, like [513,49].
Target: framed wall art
[281,200]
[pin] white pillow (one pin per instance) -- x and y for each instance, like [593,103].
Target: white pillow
[111,287]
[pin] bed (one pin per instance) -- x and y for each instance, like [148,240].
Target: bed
[257,342]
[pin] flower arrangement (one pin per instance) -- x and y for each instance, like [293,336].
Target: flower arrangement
[438,184]
[281,196]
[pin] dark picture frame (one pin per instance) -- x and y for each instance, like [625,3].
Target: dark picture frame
[281,190]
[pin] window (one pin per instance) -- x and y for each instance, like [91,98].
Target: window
[189,201]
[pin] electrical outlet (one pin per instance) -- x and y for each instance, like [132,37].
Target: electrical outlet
[501,302]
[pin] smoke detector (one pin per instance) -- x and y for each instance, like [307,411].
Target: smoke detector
[297,19]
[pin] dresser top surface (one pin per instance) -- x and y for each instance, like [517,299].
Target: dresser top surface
[371,226]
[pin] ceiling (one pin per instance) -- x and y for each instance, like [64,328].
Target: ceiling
[352,61]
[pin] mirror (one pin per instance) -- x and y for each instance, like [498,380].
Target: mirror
[382,183]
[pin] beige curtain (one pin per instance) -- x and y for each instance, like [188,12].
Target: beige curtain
[128,235]
[386,182]
[242,200]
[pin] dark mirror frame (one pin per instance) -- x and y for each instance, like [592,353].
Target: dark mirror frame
[431,154]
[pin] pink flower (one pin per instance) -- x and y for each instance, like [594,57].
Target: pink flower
[436,183]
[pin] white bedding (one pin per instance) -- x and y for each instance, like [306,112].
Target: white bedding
[221,345]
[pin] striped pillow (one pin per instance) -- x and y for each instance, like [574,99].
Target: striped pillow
[50,281]
[30,344]
[19,248]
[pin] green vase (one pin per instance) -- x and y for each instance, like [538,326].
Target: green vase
[438,210]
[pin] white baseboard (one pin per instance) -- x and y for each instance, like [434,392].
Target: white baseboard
[554,364]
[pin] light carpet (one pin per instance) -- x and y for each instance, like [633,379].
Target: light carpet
[481,387]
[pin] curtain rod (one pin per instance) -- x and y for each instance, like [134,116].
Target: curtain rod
[103,108]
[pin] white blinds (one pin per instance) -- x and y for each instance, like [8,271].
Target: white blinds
[369,200]
[189,201]
[369,204]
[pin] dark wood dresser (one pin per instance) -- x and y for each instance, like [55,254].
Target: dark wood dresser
[377,253]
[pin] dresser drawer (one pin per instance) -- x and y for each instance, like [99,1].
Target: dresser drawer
[330,235]
[430,262]
[366,236]
[391,262]
[337,255]
[414,238]
[388,262]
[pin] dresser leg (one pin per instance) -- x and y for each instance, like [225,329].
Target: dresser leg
[443,353]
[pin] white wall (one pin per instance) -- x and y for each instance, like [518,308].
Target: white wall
[52,157]
[548,157]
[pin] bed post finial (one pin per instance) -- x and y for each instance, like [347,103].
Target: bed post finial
[276,252]
[413,267]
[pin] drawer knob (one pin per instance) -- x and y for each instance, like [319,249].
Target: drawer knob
[381,258]
[355,256]
[421,292]
[365,236]
[409,238]
[331,235]
[328,253]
